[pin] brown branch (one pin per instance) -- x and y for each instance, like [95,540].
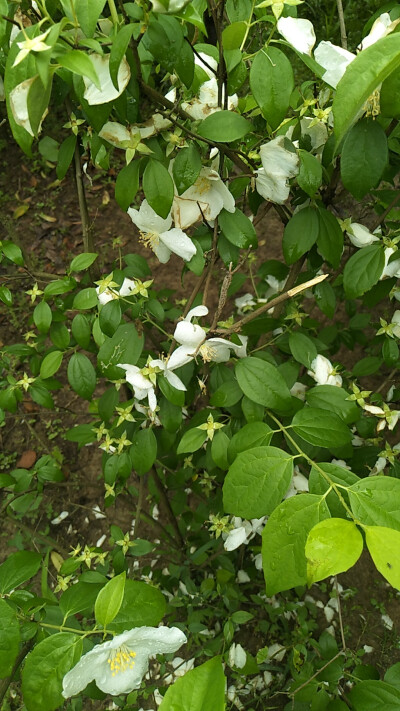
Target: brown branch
[343,35]
[381,218]
[212,261]
[5,683]
[139,505]
[271,304]
[165,500]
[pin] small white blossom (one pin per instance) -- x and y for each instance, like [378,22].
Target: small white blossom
[360,236]
[242,532]
[278,165]
[207,103]
[156,233]
[237,656]
[119,665]
[206,197]
[142,386]
[382,26]
[323,372]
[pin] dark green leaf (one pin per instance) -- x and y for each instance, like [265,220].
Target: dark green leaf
[224,127]
[186,168]
[263,383]
[364,157]
[158,188]
[300,234]
[272,82]
[81,375]
[363,270]
[237,228]
[321,428]
[127,184]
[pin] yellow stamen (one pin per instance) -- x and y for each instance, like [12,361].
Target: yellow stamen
[121,659]
[150,239]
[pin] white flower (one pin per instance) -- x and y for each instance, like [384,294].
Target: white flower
[360,236]
[316,131]
[207,63]
[193,340]
[242,577]
[396,321]
[107,92]
[206,197]
[156,233]
[242,532]
[142,386]
[298,484]
[165,367]
[34,44]
[323,372]
[19,105]
[382,26]
[237,656]
[118,666]
[387,622]
[127,287]
[278,165]
[207,103]
[299,33]
[169,6]
[276,652]
[334,60]
[391,269]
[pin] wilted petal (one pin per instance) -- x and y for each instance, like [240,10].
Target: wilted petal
[108,92]
[334,60]
[277,160]
[299,33]
[235,538]
[270,188]
[116,134]
[19,105]
[237,656]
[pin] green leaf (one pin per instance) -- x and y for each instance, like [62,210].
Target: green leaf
[364,157]
[237,228]
[334,399]
[390,96]
[9,638]
[333,546]
[369,69]
[321,428]
[127,184]
[50,364]
[375,501]
[224,127]
[80,63]
[142,605]
[233,35]
[81,375]
[65,155]
[12,252]
[263,383]
[374,695]
[363,270]
[191,441]
[257,481]
[124,347]
[158,187]
[45,668]
[6,295]
[118,48]
[143,452]
[42,317]
[303,349]
[196,688]
[110,317]
[330,237]
[79,597]
[254,434]
[186,168]
[300,234]
[83,261]
[284,539]
[271,83]
[37,102]
[383,545]
[17,569]
[109,600]
[86,299]
[325,298]
[59,286]
[310,173]
[88,13]
[80,328]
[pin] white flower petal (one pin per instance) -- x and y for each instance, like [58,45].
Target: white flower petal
[174,380]
[323,372]
[200,310]
[382,26]
[161,251]
[237,656]
[334,60]
[19,104]
[299,33]
[270,188]
[235,538]
[108,92]
[116,134]
[127,286]
[189,335]
[147,220]
[178,243]
[180,357]
[360,236]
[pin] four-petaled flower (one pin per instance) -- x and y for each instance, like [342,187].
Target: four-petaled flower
[210,427]
[119,665]
[194,341]
[278,165]
[156,233]
[205,198]
[323,372]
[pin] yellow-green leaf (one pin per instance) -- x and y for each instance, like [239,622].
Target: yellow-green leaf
[333,546]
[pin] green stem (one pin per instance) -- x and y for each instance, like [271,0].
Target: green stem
[113,12]
[249,24]
[316,466]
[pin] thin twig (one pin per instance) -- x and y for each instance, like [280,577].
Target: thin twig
[381,218]
[212,261]
[139,505]
[296,691]
[165,500]
[5,683]
[274,302]
[340,614]
[343,35]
